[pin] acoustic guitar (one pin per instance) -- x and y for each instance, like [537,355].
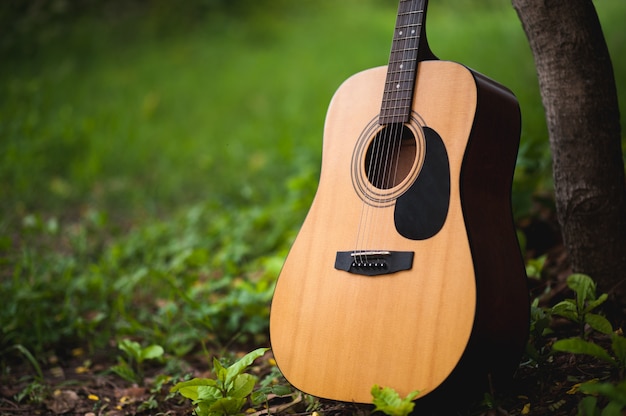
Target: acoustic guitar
[407,272]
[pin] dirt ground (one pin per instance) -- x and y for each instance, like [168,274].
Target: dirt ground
[76,383]
[71,389]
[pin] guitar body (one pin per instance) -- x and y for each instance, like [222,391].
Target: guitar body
[458,310]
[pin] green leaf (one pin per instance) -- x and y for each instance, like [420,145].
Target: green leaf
[584,287]
[151,352]
[566,309]
[240,365]
[587,406]
[281,390]
[123,370]
[26,353]
[203,409]
[618,346]
[614,392]
[189,389]
[131,348]
[580,346]
[259,396]
[227,406]
[535,266]
[599,323]
[207,394]
[388,401]
[539,319]
[243,386]
[595,303]
[190,392]
[219,370]
[613,409]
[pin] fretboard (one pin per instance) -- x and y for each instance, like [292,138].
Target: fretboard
[402,69]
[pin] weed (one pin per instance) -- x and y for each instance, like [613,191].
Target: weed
[389,402]
[616,357]
[35,392]
[30,358]
[227,393]
[615,395]
[579,310]
[149,404]
[534,267]
[272,383]
[131,368]
[540,319]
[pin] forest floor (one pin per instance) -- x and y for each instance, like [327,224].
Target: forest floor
[70,389]
[79,383]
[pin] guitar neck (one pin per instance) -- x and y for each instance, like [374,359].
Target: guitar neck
[409,36]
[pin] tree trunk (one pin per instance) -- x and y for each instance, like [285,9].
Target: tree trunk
[580,100]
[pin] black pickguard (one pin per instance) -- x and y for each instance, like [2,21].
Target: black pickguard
[422,210]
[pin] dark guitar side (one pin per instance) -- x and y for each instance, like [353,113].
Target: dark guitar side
[502,316]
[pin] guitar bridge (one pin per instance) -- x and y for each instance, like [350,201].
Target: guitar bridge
[373,262]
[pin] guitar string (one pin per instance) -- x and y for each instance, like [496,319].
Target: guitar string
[371,156]
[371,159]
[375,178]
[383,164]
[384,156]
[360,246]
[402,99]
[372,179]
[400,107]
[414,29]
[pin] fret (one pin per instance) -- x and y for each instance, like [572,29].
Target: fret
[396,99]
[405,61]
[402,68]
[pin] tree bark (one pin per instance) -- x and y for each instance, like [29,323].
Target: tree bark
[580,101]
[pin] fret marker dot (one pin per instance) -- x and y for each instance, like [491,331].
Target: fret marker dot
[398,86]
[401,66]
[401,32]
[413,32]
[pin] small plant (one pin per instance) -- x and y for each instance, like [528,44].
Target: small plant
[132,370]
[31,359]
[271,384]
[35,392]
[150,403]
[614,393]
[534,267]
[581,346]
[227,393]
[579,310]
[388,401]
[539,326]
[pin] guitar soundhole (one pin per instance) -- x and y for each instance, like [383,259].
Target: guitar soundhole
[387,160]
[390,156]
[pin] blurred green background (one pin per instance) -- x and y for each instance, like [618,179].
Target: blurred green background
[157,157]
[140,107]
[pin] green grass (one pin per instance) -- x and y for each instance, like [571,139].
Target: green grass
[153,117]
[155,163]
[158,121]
